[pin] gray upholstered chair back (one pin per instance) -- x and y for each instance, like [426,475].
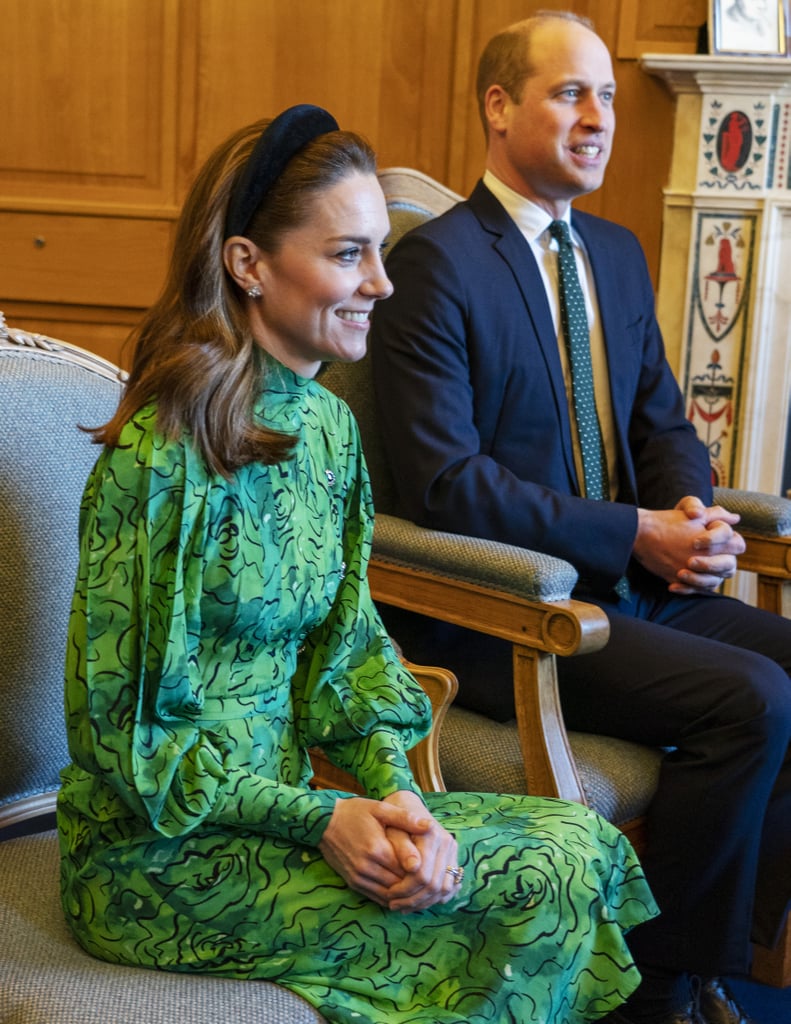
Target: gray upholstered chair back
[354,384]
[44,462]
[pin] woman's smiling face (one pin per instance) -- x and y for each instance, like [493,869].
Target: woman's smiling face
[320,285]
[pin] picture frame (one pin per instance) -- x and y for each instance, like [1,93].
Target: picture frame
[754,28]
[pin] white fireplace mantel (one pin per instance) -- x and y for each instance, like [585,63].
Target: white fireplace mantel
[707,73]
[724,297]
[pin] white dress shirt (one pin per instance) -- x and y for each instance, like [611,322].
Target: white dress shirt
[533,222]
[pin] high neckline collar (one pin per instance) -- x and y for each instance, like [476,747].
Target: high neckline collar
[279,377]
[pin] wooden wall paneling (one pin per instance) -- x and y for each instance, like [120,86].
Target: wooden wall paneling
[94,134]
[478,22]
[99,329]
[113,104]
[638,169]
[90,103]
[382,68]
[659,26]
[55,266]
[103,261]
[415,123]
[189,74]
[466,145]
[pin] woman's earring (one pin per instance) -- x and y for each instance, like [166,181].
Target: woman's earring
[254,291]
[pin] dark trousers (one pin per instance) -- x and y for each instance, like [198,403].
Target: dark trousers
[708,677]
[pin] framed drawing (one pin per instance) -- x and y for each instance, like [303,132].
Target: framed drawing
[749,27]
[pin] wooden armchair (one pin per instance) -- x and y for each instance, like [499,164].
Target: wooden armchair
[523,597]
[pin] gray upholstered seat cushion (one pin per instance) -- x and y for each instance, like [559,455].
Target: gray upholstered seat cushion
[46,978]
[618,778]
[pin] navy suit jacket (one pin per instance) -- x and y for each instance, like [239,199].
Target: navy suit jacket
[473,404]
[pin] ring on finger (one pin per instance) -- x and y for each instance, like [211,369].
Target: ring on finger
[457,873]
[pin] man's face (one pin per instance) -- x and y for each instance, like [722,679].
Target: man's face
[554,144]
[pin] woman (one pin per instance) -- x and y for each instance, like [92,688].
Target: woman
[222,624]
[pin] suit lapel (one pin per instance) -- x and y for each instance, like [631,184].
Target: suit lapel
[511,247]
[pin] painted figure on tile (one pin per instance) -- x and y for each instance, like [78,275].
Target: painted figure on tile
[734,141]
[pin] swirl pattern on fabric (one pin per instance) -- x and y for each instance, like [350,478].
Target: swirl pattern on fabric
[220,628]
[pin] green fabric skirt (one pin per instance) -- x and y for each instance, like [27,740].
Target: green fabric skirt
[536,934]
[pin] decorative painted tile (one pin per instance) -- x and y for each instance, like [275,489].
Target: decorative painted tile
[718,314]
[735,143]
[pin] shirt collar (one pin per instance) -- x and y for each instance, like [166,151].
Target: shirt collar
[531,219]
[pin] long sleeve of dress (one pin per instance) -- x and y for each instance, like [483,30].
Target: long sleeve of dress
[134,659]
[370,710]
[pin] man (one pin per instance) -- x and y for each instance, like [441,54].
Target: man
[479,392]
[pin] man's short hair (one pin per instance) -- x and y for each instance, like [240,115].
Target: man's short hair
[505,60]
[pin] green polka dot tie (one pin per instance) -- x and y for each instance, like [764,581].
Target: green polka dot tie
[574,321]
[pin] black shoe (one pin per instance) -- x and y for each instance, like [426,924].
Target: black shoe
[689,1015]
[718,1005]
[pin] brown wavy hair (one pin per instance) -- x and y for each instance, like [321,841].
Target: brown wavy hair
[194,352]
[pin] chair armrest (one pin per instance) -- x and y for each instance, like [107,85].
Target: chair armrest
[452,578]
[512,570]
[441,687]
[27,808]
[766,528]
[501,591]
[765,515]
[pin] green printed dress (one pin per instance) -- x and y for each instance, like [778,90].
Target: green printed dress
[221,627]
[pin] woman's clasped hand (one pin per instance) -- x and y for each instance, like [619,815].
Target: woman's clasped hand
[393,851]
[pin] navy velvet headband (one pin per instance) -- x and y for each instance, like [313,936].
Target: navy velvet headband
[290,132]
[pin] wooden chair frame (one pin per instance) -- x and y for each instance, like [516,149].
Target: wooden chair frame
[440,686]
